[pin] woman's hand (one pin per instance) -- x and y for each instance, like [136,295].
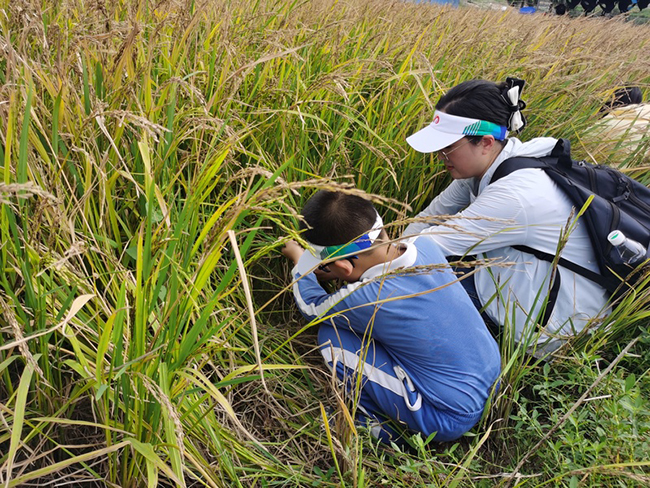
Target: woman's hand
[292,250]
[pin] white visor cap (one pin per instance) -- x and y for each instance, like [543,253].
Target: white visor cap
[447,129]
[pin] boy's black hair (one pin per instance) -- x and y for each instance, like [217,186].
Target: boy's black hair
[332,218]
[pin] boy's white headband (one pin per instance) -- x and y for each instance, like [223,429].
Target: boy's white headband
[317,254]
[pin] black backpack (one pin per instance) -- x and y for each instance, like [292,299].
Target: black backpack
[619,202]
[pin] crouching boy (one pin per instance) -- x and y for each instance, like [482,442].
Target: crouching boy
[406,325]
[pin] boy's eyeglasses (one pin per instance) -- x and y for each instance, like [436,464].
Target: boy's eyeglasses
[325,267]
[445,153]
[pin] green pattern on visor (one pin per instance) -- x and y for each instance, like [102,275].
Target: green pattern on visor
[363,242]
[349,248]
[485,128]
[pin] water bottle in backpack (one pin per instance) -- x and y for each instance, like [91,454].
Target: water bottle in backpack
[631,251]
[609,200]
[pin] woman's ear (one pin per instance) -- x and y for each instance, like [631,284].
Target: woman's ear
[343,266]
[488,142]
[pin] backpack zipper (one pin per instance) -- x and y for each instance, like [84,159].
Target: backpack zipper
[638,201]
[616,218]
[592,177]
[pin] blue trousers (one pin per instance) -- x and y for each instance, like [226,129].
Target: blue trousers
[385,390]
[470,287]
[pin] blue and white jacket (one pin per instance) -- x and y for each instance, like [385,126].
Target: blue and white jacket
[415,307]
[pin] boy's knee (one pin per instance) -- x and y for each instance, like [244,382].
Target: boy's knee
[326,336]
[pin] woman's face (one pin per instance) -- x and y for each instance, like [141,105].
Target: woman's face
[464,159]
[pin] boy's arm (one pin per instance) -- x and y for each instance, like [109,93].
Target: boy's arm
[292,250]
[312,300]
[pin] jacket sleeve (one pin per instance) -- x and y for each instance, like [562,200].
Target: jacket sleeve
[451,201]
[496,219]
[314,302]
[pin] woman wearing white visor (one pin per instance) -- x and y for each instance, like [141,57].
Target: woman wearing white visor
[469,133]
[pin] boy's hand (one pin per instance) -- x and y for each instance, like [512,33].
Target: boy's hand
[292,250]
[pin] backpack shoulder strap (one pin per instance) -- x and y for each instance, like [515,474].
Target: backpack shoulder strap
[570,265]
[511,165]
[561,152]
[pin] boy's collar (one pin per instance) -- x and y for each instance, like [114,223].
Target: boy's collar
[405,260]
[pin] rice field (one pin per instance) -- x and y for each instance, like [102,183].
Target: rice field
[154,156]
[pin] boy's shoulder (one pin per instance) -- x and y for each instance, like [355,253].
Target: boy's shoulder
[428,250]
[419,254]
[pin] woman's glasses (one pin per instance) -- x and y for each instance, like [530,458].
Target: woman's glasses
[446,152]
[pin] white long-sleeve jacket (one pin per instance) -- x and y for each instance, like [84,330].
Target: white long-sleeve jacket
[523,208]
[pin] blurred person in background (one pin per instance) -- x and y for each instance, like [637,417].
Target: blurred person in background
[624,129]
